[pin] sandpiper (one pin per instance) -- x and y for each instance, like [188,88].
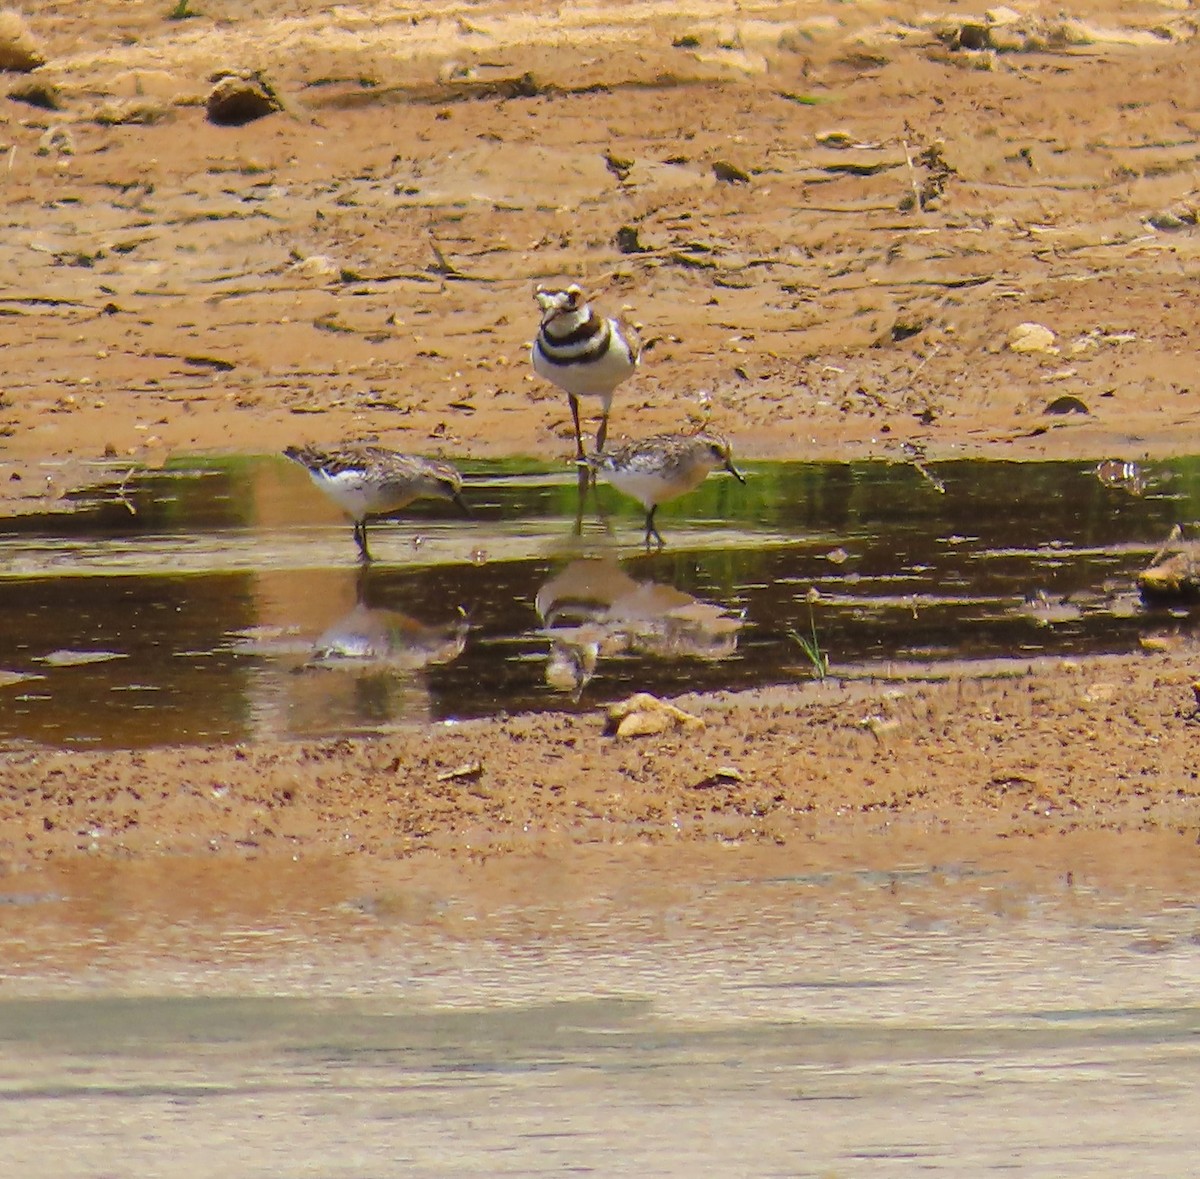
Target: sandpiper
[584,354]
[665,466]
[372,481]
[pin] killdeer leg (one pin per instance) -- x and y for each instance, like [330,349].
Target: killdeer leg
[575,418]
[585,477]
[602,433]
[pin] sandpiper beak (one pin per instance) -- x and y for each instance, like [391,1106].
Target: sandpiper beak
[734,471]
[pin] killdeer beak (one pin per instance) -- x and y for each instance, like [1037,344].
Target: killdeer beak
[734,471]
[461,503]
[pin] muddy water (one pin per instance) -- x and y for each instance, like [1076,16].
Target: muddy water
[849,1026]
[221,601]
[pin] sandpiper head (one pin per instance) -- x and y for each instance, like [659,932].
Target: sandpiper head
[721,454]
[449,486]
[555,301]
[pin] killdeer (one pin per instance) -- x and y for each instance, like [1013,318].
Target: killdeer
[372,481]
[663,467]
[584,354]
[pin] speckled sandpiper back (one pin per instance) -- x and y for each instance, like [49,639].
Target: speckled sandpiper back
[372,481]
[662,467]
[583,353]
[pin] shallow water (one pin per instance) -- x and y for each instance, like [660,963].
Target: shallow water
[221,601]
[818,1038]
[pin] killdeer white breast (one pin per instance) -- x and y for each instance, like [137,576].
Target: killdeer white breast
[583,353]
[662,467]
[369,481]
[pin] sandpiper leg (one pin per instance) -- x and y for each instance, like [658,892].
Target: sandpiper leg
[652,529]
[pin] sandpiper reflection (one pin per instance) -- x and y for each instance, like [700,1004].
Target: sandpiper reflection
[386,640]
[593,609]
[364,669]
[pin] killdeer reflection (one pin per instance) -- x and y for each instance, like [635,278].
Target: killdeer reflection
[593,608]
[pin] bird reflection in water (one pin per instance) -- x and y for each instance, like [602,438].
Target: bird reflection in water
[381,639]
[593,609]
[364,669]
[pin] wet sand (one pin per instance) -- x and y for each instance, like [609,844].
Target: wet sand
[361,266]
[825,776]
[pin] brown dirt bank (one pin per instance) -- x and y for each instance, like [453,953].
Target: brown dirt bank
[1062,772]
[361,265]
[1099,744]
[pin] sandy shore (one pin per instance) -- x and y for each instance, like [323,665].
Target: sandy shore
[832,225]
